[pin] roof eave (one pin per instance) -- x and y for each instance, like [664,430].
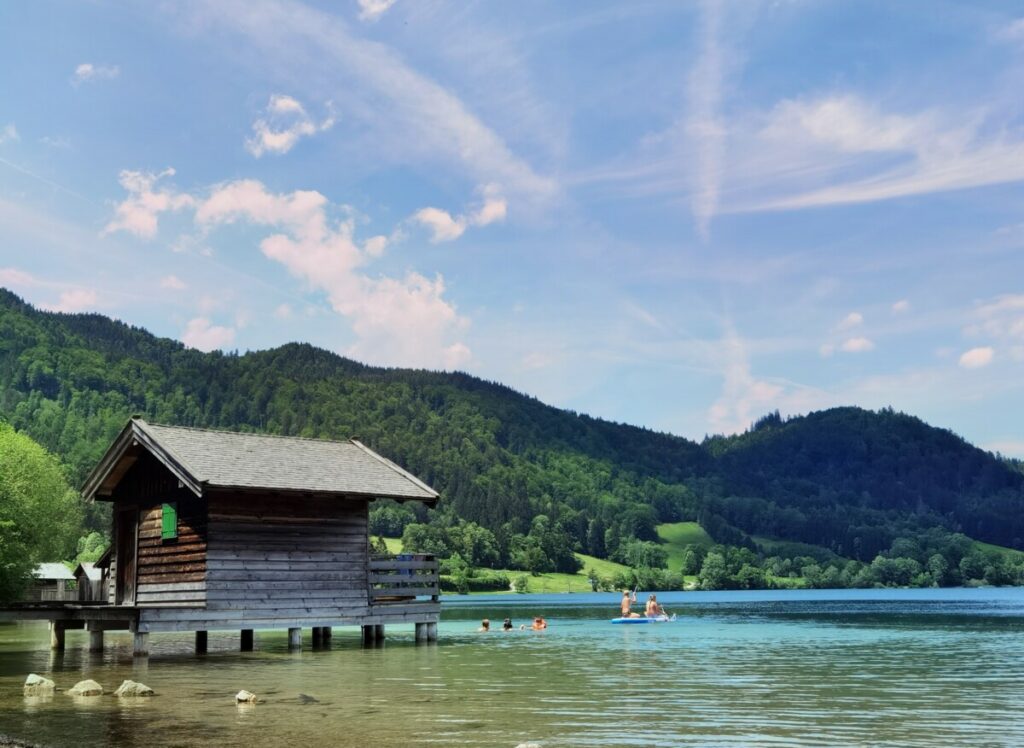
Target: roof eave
[133,433]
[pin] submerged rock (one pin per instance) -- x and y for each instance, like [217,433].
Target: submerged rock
[131,689]
[246,697]
[37,684]
[529,745]
[86,688]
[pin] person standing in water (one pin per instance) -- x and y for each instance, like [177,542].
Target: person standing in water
[627,600]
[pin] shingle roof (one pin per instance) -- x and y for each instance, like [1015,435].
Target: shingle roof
[225,459]
[52,571]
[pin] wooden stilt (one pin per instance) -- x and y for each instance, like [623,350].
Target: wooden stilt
[378,632]
[246,645]
[57,635]
[328,633]
[431,632]
[422,631]
[318,636]
[368,634]
[95,639]
[201,642]
[140,645]
[294,638]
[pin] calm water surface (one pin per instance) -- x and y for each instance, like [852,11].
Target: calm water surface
[901,668]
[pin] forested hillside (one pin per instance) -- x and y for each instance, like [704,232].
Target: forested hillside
[523,484]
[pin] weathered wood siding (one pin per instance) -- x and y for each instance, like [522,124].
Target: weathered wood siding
[273,557]
[169,572]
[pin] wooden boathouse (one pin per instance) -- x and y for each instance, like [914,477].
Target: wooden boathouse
[216,530]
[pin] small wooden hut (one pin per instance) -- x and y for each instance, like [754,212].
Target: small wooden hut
[50,582]
[223,530]
[89,579]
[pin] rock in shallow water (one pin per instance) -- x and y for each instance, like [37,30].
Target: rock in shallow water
[130,689]
[86,688]
[37,684]
[246,697]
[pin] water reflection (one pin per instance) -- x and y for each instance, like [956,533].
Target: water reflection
[895,670]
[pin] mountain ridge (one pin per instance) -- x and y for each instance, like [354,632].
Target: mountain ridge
[848,479]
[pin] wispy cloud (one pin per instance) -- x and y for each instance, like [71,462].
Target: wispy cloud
[411,116]
[401,321]
[172,283]
[75,300]
[859,344]
[137,214]
[283,123]
[88,72]
[8,133]
[372,10]
[445,228]
[200,333]
[704,125]
[977,358]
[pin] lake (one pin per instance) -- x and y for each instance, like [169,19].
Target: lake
[780,668]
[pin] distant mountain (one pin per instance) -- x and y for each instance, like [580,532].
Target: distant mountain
[847,479]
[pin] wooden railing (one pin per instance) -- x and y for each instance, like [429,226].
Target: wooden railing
[401,578]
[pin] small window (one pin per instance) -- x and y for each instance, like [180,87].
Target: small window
[169,530]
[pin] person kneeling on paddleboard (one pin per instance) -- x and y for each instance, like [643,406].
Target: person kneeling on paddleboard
[654,609]
[627,600]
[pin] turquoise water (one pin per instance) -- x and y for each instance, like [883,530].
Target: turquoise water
[850,667]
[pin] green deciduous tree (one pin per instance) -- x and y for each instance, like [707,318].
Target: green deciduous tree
[40,516]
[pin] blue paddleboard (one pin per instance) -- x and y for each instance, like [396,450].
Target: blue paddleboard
[659,619]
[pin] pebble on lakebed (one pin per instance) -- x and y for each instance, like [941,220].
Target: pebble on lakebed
[130,689]
[37,684]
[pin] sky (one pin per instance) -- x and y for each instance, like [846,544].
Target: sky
[681,215]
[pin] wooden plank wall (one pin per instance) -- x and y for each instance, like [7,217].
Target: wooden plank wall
[286,558]
[169,572]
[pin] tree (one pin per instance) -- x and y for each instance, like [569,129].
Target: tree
[714,575]
[641,554]
[40,516]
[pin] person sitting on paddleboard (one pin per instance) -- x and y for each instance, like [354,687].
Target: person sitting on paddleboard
[654,609]
[627,600]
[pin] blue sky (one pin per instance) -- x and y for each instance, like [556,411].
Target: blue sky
[679,215]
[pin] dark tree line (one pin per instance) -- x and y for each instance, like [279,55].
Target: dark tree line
[532,483]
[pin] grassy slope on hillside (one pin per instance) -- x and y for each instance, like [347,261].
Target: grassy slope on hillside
[677,535]
[1011,553]
[550,582]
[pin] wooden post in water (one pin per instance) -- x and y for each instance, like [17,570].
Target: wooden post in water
[201,642]
[328,632]
[378,632]
[57,635]
[422,630]
[295,638]
[95,636]
[246,645]
[318,636]
[368,634]
[140,644]
[431,632]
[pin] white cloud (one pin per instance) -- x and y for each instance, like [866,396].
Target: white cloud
[743,397]
[901,306]
[75,300]
[137,214]
[283,123]
[283,311]
[444,227]
[14,278]
[408,117]
[705,126]
[851,320]
[1012,32]
[857,345]
[1000,318]
[977,358]
[172,283]
[87,72]
[371,10]
[403,321]
[202,335]
[9,133]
